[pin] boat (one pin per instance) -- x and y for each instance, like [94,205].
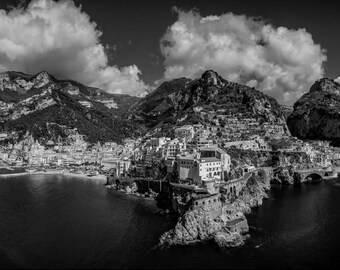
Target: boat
[93,173]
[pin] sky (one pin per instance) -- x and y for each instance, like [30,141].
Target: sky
[278,47]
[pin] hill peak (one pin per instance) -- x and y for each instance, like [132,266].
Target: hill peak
[211,77]
[326,85]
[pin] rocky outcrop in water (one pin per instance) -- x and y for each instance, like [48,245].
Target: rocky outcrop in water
[316,114]
[197,226]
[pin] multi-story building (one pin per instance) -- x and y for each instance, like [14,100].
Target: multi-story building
[219,154]
[120,167]
[200,141]
[186,132]
[320,159]
[207,166]
[172,148]
[199,170]
[170,164]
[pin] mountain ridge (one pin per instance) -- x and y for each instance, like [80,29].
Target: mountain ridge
[31,102]
[210,92]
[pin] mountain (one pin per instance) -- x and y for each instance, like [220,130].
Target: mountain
[48,107]
[316,114]
[182,101]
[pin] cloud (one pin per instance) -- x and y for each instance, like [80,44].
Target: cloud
[59,38]
[281,62]
[337,80]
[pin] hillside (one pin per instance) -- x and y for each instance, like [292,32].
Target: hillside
[287,110]
[180,101]
[316,114]
[48,107]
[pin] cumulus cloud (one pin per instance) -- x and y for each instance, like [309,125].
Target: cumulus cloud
[281,62]
[60,38]
[337,80]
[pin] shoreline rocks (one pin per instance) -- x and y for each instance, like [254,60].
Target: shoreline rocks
[133,190]
[195,226]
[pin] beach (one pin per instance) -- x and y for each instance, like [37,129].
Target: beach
[52,172]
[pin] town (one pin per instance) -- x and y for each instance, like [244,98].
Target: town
[201,167]
[196,156]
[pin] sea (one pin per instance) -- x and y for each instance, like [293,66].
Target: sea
[64,222]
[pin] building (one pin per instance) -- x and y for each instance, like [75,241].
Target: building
[207,202]
[248,168]
[172,148]
[197,170]
[120,167]
[245,145]
[185,132]
[85,103]
[219,154]
[158,142]
[3,136]
[170,164]
[188,168]
[320,159]
[200,141]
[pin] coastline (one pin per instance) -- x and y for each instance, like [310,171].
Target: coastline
[96,177]
[229,228]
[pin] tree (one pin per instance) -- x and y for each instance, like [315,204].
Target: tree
[276,144]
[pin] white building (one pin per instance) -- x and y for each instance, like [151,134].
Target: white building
[85,103]
[219,154]
[172,148]
[121,166]
[199,170]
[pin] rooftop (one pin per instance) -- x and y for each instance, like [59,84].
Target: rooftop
[188,157]
[213,149]
[209,159]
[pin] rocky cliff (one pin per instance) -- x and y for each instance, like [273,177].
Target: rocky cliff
[253,193]
[48,107]
[196,226]
[180,101]
[287,110]
[316,114]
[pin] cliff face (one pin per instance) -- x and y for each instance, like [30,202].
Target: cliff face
[48,107]
[196,226]
[316,114]
[180,101]
[253,193]
[287,110]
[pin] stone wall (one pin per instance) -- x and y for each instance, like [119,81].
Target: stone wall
[211,204]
